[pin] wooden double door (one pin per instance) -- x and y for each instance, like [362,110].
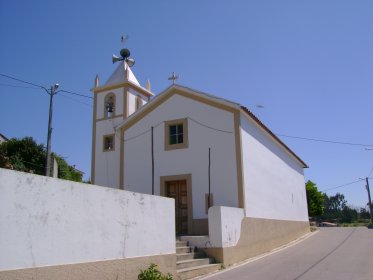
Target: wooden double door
[178,191]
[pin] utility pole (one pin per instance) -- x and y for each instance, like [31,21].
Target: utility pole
[49,138]
[370,200]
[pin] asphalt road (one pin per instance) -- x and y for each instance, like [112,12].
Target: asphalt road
[331,253]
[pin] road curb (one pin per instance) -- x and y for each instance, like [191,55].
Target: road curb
[253,259]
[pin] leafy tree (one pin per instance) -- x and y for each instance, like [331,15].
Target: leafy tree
[315,200]
[28,156]
[348,215]
[335,203]
[23,155]
[66,171]
[364,214]
[336,208]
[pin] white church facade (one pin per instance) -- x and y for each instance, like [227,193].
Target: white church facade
[209,154]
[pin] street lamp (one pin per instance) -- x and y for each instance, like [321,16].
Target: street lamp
[51,93]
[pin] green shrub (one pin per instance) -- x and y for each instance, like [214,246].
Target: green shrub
[152,273]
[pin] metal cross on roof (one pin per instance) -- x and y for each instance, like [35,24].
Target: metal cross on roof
[173,77]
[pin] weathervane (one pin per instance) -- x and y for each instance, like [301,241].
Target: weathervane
[125,53]
[124,39]
[173,78]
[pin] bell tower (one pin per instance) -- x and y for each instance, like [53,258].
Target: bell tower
[121,96]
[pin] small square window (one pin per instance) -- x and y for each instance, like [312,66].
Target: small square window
[108,143]
[176,134]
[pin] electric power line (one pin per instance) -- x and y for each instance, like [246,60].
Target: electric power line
[22,81]
[210,127]
[148,130]
[325,141]
[63,95]
[40,86]
[74,93]
[346,184]
[7,85]
[343,185]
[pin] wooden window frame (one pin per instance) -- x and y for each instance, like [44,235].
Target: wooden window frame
[185,143]
[112,136]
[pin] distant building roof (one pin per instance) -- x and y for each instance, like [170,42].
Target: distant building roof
[3,138]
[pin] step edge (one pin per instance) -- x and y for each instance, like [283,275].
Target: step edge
[198,267]
[191,260]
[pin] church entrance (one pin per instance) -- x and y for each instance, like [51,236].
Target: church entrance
[179,187]
[178,191]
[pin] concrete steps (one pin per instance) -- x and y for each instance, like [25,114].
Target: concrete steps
[188,256]
[188,273]
[190,264]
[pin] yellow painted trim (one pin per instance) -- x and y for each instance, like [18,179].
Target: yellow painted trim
[161,99]
[138,102]
[105,119]
[185,144]
[204,100]
[127,97]
[239,164]
[93,159]
[123,84]
[125,102]
[188,179]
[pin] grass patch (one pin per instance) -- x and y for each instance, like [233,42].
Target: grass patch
[356,224]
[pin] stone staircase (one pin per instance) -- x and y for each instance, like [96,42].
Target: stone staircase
[191,264]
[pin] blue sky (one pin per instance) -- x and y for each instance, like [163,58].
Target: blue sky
[309,63]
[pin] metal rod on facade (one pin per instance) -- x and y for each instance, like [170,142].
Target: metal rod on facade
[152,160]
[209,198]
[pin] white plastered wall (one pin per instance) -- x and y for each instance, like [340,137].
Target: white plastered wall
[274,180]
[46,221]
[192,160]
[107,162]
[132,94]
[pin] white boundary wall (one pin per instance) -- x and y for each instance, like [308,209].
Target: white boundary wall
[46,221]
[224,228]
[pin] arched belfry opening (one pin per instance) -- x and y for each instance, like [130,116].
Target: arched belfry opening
[109,105]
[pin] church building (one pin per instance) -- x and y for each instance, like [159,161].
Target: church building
[203,151]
